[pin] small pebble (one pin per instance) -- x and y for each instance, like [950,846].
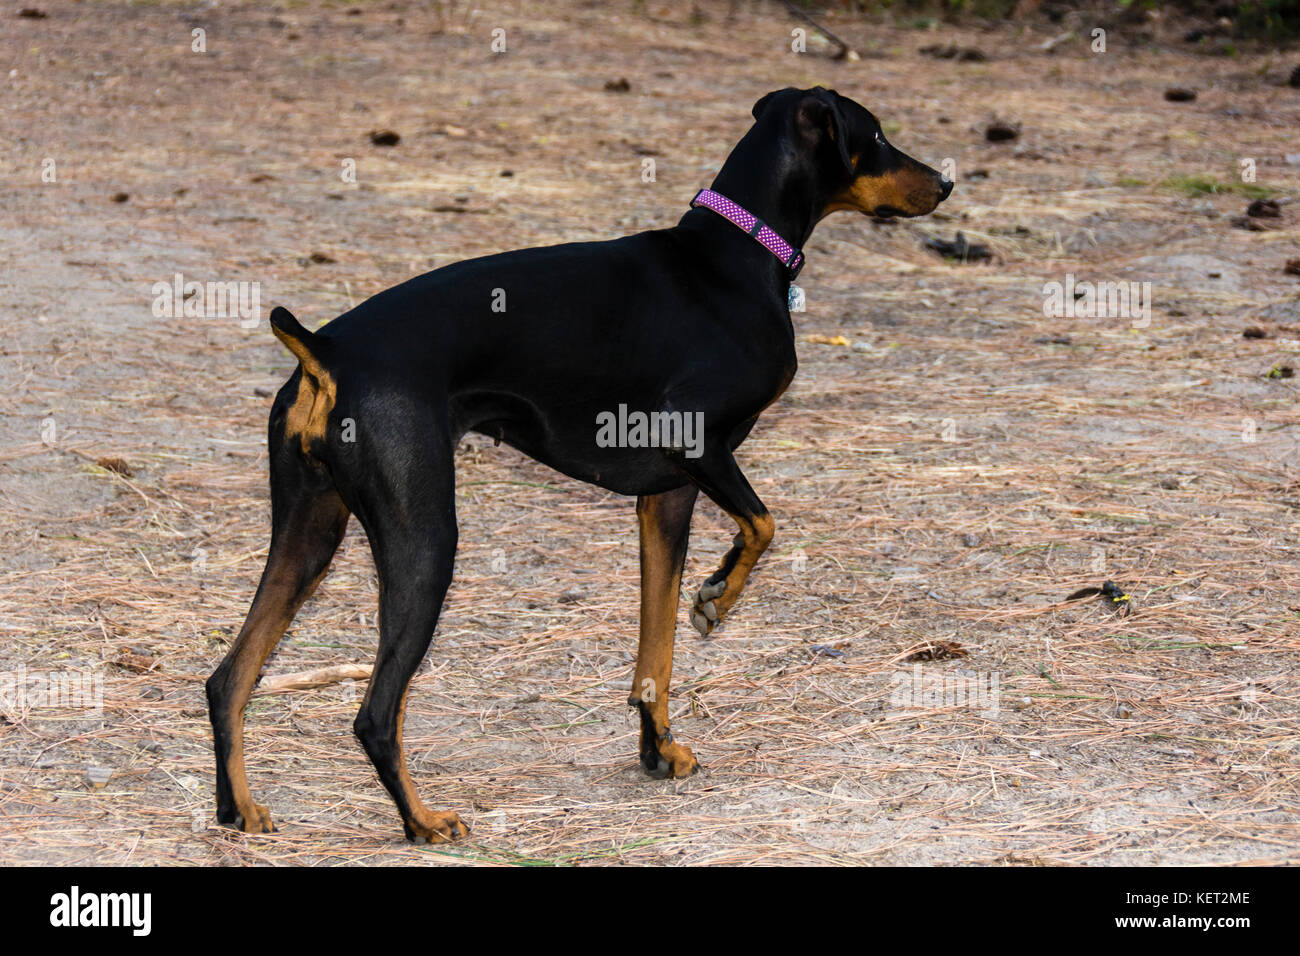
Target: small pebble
[999,132]
[97,777]
[1264,209]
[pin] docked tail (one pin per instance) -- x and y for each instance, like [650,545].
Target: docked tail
[303,344]
[308,417]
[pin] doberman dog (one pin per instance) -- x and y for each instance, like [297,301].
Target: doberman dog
[542,348]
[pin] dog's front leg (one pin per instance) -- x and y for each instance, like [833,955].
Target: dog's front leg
[722,480]
[665,523]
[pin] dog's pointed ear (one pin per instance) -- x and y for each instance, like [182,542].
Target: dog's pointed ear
[762,104]
[819,115]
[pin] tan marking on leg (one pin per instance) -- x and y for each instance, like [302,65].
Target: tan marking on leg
[661,578]
[756,534]
[272,612]
[305,543]
[431,825]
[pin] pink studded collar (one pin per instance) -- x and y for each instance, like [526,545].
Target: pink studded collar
[765,234]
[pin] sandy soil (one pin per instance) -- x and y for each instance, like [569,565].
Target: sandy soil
[951,474]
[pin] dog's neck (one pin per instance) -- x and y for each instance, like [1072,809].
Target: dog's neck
[763,176]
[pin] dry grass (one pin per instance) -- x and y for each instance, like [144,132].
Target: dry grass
[1168,735]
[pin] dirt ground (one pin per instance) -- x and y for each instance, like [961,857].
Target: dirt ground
[950,472]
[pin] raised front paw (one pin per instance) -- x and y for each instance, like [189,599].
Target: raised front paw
[705,615]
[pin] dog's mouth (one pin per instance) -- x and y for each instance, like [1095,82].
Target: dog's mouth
[887,212]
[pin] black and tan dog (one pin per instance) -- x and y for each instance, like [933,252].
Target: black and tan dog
[536,348]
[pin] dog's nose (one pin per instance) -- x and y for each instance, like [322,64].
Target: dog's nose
[946,184]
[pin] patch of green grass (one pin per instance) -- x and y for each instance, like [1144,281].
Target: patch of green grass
[1118,519]
[1130,181]
[1274,20]
[988,9]
[1150,644]
[1209,186]
[1038,547]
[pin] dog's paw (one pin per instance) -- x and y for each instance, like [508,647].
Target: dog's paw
[255,819]
[670,761]
[704,615]
[440,827]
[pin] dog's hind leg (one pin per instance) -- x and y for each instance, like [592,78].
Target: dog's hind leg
[308,520]
[665,522]
[412,529]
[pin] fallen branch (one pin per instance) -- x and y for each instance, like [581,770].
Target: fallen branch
[845,52]
[1049,46]
[306,680]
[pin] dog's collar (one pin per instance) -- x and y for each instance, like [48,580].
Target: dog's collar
[791,257]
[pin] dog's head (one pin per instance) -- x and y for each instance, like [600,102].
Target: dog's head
[846,152]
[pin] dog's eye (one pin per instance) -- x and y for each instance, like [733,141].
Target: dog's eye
[880,139]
